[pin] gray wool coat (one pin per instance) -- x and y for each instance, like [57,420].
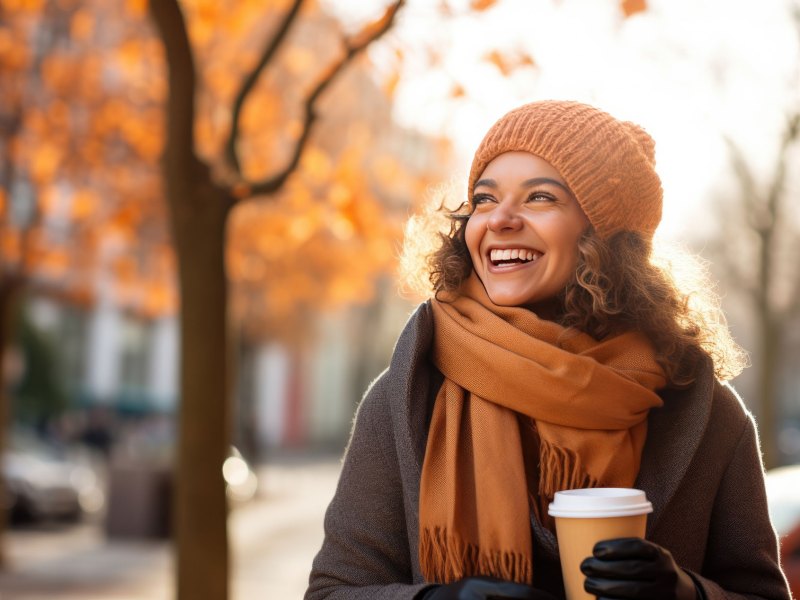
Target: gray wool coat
[701,469]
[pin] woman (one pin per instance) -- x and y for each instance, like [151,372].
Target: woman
[554,355]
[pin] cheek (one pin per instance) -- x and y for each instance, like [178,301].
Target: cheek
[570,256]
[473,234]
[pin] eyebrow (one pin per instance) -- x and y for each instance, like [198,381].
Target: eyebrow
[491,183]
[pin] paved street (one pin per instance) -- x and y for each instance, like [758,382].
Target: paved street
[273,540]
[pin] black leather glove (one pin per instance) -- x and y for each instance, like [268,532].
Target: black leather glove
[635,569]
[485,588]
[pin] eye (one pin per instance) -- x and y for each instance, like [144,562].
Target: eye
[481,199]
[541,197]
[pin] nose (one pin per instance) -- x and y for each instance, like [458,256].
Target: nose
[504,217]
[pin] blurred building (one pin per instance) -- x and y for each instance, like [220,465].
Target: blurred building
[301,398]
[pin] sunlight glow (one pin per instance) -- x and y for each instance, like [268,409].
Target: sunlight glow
[689,71]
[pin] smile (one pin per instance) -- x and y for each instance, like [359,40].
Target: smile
[512,256]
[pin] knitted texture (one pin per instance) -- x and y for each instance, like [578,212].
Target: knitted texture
[608,164]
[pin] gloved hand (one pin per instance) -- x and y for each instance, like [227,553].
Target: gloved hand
[635,569]
[485,588]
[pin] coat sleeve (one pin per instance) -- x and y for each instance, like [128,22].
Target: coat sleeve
[365,553]
[742,555]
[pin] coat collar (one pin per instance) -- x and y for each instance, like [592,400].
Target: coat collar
[674,434]
[409,377]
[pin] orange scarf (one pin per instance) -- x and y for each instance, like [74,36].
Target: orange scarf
[589,401]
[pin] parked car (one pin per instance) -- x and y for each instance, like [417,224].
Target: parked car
[783,496]
[42,484]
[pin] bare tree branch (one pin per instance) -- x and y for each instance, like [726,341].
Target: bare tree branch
[793,307]
[171,25]
[791,136]
[353,47]
[249,82]
[733,267]
[747,184]
[751,204]
[779,180]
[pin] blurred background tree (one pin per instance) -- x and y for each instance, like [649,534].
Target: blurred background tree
[81,194]
[758,250]
[78,192]
[200,201]
[40,394]
[754,253]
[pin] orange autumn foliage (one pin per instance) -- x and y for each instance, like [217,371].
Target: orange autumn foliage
[91,133]
[631,7]
[482,4]
[79,142]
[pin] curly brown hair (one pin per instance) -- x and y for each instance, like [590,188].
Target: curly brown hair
[619,285]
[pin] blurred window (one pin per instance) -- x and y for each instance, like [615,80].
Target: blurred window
[136,340]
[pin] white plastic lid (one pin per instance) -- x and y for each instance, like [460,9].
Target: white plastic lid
[599,502]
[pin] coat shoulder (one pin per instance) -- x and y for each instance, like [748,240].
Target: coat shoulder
[729,409]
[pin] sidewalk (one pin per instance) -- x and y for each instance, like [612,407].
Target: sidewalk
[273,541]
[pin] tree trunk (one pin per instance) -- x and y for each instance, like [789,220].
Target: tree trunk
[770,341]
[9,295]
[200,504]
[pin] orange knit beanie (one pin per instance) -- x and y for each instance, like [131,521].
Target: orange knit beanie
[608,164]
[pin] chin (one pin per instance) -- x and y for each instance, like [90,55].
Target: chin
[509,300]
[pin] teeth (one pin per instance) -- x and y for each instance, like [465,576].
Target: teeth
[497,255]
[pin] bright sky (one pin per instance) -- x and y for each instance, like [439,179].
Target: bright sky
[688,71]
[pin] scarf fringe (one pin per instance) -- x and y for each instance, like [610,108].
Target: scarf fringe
[560,469]
[444,558]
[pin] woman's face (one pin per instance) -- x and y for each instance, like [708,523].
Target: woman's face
[523,233]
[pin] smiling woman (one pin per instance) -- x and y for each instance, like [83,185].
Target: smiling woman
[553,354]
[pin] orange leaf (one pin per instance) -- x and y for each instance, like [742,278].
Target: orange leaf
[317,164]
[30,6]
[82,25]
[10,246]
[631,7]
[526,60]
[390,85]
[45,162]
[499,61]
[129,55]
[482,4]
[457,91]
[136,8]
[15,55]
[84,204]
[124,268]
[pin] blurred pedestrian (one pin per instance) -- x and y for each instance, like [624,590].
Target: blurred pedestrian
[554,355]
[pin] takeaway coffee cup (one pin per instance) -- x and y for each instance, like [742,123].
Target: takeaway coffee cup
[585,517]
